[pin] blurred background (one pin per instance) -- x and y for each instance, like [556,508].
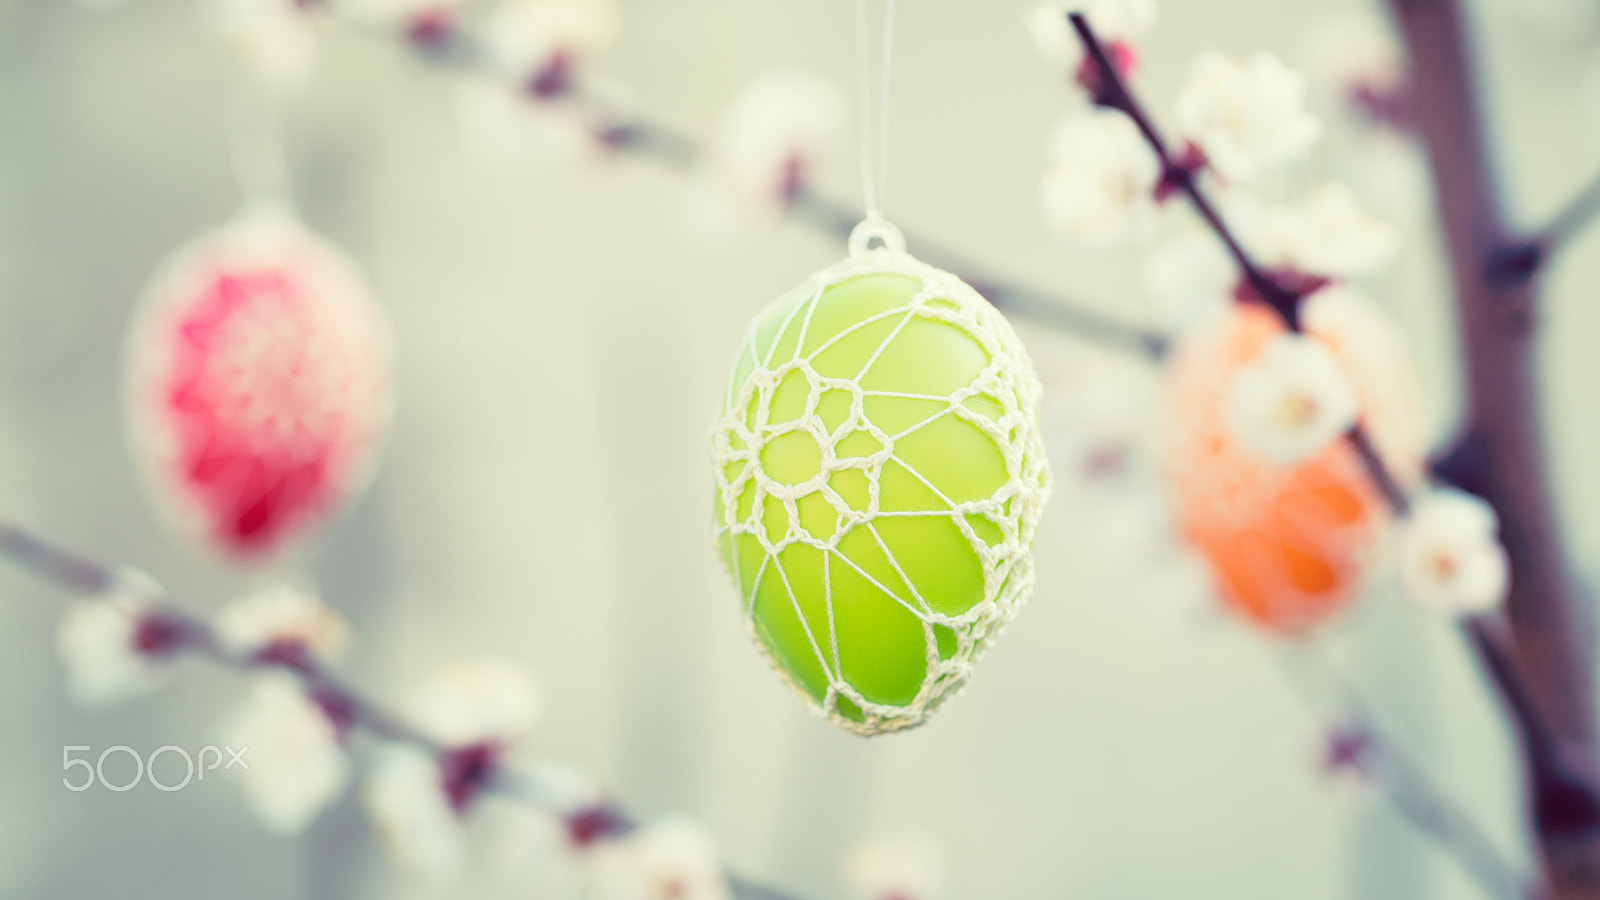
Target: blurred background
[563,330]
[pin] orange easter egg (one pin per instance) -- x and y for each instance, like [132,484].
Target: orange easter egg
[1288,543]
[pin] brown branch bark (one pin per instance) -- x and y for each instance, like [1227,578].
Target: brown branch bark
[1549,633]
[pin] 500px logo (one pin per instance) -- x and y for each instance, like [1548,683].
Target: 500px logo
[146,767]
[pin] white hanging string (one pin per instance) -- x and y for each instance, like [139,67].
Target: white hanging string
[874,171]
[874,128]
[259,164]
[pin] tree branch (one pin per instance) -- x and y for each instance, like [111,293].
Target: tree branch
[1562,802]
[831,216]
[1285,296]
[1111,90]
[1402,780]
[447,45]
[348,707]
[1565,225]
[1549,622]
[1282,295]
[1393,494]
[1517,262]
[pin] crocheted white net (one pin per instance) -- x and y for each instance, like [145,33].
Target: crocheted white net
[761,516]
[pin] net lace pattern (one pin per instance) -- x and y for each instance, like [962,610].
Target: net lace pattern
[745,429]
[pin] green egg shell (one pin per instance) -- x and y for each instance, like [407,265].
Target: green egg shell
[879,478]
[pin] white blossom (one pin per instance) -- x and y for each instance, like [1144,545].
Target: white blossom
[1269,232]
[534,44]
[389,12]
[520,838]
[672,858]
[461,705]
[280,613]
[1389,172]
[296,763]
[1246,117]
[566,786]
[1335,236]
[475,700]
[1292,400]
[1190,276]
[1353,54]
[1114,21]
[274,39]
[900,868]
[1327,233]
[503,126]
[1376,354]
[1450,558]
[97,641]
[404,797]
[1099,180]
[526,36]
[776,131]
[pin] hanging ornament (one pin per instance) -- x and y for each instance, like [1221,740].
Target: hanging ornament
[1288,543]
[880,473]
[259,384]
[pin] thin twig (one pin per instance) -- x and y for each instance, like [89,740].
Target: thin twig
[1383,479]
[1403,781]
[52,564]
[1516,261]
[586,822]
[455,48]
[1111,90]
[1567,224]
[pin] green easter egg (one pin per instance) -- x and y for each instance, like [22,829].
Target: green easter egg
[879,477]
